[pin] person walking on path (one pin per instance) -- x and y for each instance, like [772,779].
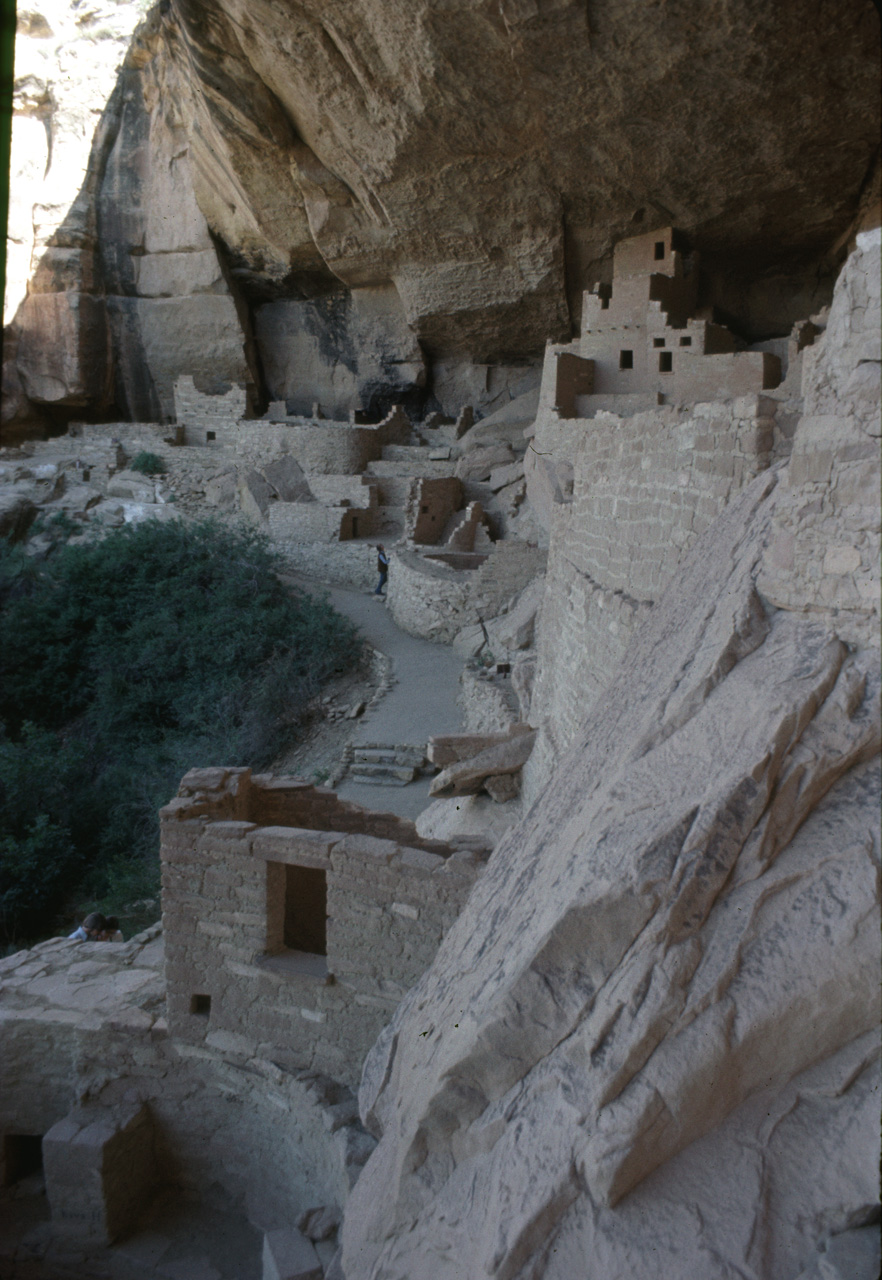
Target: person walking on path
[382,569]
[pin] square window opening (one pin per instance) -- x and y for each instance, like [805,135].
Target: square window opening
[423,510]
[306,910]
[200,1005]
[22,1156]
[659,250]
[685,342]
[210,435]
[658,342]
[665,362]
[626,359]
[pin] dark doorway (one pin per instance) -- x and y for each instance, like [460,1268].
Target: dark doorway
[306,910]
[22,1155]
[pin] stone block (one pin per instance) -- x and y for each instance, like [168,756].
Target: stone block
[296,846]
[100,1171]
[288,1255]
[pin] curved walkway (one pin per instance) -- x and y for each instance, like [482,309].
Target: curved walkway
[422,700]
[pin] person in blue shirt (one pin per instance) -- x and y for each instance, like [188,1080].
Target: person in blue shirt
[382,569]
[91,929]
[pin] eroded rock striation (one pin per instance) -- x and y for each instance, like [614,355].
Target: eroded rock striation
[654,1028]
[353,203]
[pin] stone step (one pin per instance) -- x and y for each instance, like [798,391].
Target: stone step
[389,755]
[383,775]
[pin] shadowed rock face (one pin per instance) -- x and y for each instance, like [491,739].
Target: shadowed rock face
[464,151]
[654,1029]
[333,199]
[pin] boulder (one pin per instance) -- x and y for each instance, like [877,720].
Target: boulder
[133,485]
[221,491]
[505,475]
[285,477]
[478,463]
[468,776]
[17,513]
[255,496]
[514,630]
[449,748]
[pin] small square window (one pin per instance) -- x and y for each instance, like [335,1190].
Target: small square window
[200,1006]
[665,361]
[626,359]
[658,342]
[685,342]
[659,250]
[210,435]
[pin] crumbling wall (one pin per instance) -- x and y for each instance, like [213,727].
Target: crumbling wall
[428,506]
[207,417]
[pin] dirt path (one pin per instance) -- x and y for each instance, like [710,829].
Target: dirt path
[420,702]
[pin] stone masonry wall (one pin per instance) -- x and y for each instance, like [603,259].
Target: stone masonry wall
[88,1020]
[833,563]
[644,488]
[429,505]
[433,601]
[198,413]
[295,522]
[231,986]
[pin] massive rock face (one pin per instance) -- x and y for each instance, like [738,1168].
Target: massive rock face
[650,1043]
[402,200]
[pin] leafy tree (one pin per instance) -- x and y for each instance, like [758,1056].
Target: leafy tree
[123,663]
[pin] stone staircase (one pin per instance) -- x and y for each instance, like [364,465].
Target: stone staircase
[387,764]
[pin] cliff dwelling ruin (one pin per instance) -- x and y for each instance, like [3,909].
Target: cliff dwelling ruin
[562,961]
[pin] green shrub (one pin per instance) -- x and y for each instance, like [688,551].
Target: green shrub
[124,663]
[150,464]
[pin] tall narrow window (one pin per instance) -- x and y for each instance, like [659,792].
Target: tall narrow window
[659,250]
[626,359]
[665,361]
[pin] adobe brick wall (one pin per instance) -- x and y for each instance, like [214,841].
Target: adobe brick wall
[390,898]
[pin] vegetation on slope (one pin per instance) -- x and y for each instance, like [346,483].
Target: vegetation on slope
[124,663]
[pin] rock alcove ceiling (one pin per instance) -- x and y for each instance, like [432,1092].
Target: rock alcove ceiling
[349,202]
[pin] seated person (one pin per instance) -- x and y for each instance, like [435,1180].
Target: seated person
[111,931]
[91,929]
